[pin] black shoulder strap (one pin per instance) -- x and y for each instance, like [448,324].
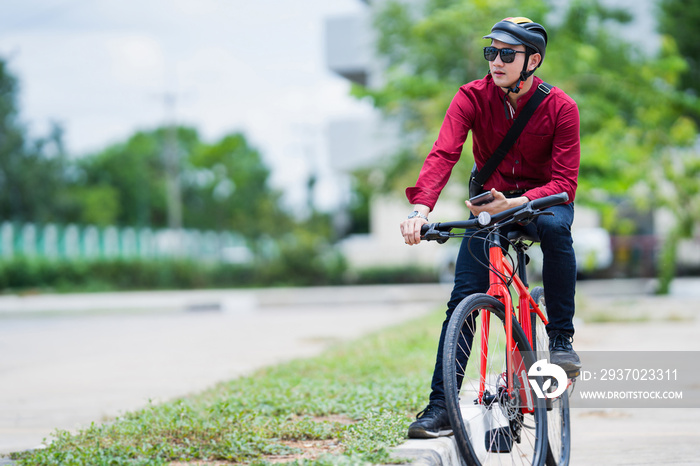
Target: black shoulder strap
[492,163]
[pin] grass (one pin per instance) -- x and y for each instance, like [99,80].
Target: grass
[348,406]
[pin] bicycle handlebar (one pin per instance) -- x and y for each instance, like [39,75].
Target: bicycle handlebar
[549,201]
[523,213]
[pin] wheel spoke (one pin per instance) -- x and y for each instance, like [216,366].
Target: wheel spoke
[493,426]
[558,428]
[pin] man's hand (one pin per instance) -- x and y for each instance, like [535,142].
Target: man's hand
[499,204]
[410,228]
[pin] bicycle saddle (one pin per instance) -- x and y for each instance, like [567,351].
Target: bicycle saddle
[523,234]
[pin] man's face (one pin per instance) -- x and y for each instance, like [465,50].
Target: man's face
[506,74]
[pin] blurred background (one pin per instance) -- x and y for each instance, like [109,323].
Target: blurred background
[175,144]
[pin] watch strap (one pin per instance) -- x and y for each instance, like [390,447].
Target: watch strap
[415,213]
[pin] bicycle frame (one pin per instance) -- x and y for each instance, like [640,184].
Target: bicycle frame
[501,267]
[506,389]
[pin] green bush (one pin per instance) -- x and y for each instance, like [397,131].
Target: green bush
[291,265]
[21,274]
[396,274]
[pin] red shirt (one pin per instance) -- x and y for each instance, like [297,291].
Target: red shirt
[544,159]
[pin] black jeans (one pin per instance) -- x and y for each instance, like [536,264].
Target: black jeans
[558,275]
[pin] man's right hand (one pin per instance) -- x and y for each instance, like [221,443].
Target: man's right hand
[410,228]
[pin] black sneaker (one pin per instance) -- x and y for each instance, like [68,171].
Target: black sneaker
[562,353]
[432,422]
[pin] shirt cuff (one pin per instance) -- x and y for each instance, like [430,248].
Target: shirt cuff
[423,196]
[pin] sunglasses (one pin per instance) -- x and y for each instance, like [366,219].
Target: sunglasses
[507,55]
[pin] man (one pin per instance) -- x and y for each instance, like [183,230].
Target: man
[544,160]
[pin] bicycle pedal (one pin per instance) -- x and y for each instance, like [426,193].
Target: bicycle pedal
[573,375]
[498,440]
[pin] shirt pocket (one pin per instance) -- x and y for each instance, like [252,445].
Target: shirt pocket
[536,149]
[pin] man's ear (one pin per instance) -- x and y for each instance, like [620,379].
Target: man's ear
[535,60]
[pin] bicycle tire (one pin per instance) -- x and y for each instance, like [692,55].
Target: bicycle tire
[558,418]
[486,429]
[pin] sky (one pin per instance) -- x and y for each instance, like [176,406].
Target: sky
[103,69]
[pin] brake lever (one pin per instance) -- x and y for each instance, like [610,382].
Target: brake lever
[434,234]
[527,215]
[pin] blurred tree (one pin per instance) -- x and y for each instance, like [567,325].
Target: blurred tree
[631,111]
[679,19]
[680,193]
[680,188]
[32,171]
[225,185]
[358,208]
[128,179]
[431,49]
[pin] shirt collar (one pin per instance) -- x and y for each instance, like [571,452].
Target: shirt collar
[500,93]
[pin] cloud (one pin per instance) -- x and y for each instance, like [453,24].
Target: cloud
[136,60]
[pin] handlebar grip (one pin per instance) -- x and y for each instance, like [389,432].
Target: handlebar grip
[549,201]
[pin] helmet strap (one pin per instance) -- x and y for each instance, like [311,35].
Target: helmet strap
[524,74]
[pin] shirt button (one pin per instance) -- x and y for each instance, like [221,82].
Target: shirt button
[517,162]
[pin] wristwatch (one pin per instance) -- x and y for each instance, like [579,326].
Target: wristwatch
[415,213]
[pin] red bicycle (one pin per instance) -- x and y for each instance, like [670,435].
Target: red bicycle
[506,403]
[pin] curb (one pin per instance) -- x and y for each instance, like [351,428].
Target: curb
[441,451]
[226,300]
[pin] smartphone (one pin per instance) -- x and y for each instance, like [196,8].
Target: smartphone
[481,199]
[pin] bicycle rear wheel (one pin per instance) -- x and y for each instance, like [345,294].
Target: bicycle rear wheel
[558,421]
[491,426]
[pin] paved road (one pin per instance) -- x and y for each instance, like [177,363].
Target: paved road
[66,361]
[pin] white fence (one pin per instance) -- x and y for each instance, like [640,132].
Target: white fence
[90,242]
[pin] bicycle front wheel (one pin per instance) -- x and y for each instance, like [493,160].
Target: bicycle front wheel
[558,423]
[491,424]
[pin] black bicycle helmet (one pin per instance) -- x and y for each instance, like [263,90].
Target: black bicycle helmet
[521,31]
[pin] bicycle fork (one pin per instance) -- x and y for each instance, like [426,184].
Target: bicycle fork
[498,288]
